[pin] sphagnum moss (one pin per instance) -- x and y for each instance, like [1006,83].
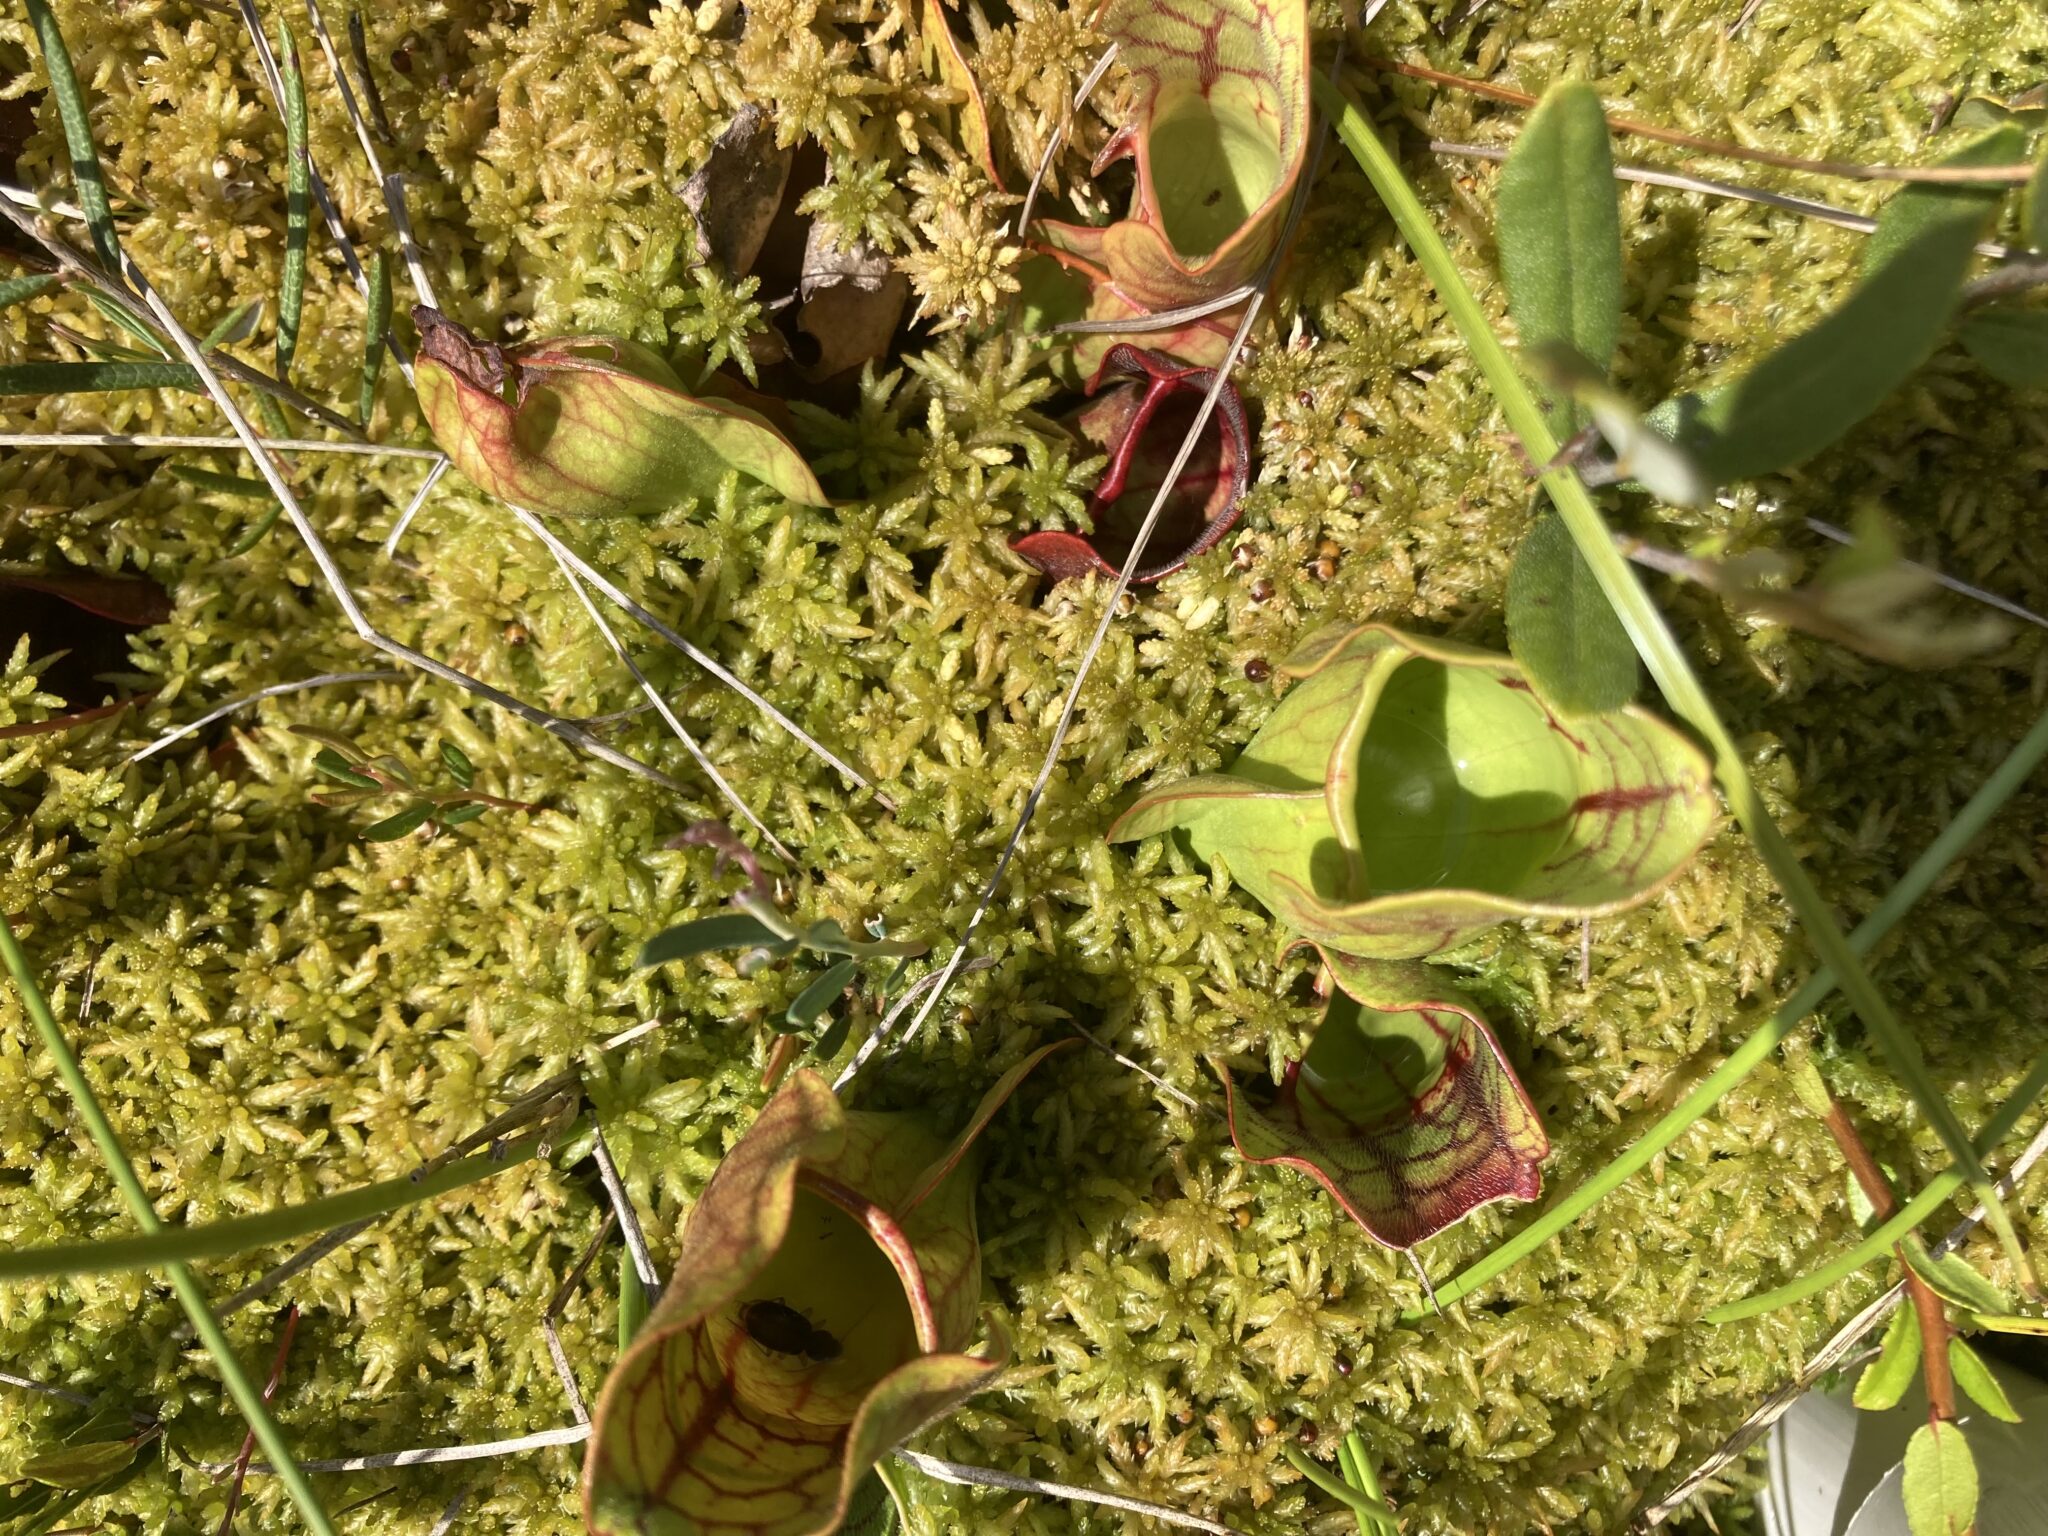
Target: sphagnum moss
[282,1010]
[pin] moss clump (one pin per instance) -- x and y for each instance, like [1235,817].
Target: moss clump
[282,1010]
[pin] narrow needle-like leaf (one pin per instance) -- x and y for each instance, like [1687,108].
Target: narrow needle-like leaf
[291,296]
[376,322]
[190,1294]
[85,156]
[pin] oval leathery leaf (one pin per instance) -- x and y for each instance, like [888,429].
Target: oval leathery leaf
[1560,233]
[1977,1382]
[1219,130]
[1885,1379]
[1141,422]
[1403,1107]
[1940,1486]
[1409,793]
[2009,343]
[1814,388]
[826,1284]
[590,426]
[1562,629]
[80,1466]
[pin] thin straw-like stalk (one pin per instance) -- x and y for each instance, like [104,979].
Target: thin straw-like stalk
[191,1296]
[1659,648]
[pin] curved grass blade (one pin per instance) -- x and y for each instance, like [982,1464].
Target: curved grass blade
[87,378]
[190,1294]
[165,1246]
[1815,388]
[291,294]
[1660,650]
[224,485]
[17,290]
[1367,1508]
[1916,1210]
[1562,630]
[85,157]
[1560,234]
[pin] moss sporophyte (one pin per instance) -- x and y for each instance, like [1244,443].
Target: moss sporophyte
[1406,795]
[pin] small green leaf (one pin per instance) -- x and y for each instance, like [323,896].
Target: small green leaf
[226,485]
[17,290]
[1560,233]
[828,1044]
[1815,387]
[821,994]
[1885,1381]
[233,326]
[80,1466]
[2008,343]
[87,378]
[457,815]
[342,746]
[85,157]
[870,1511]
[257,530]
[291,295]
[2010,1322]
[376,322]
[459,766]
[391,828]
[726,930]
[1977,1382]
[336,767]
[119,317]
[1562,629]
[1953,1279]
[1941,1482]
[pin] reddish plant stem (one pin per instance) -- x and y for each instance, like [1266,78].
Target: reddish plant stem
[284,1344]
[1934,1330]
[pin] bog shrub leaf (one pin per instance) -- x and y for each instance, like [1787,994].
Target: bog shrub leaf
[726,930]
[1953,1279]
[1560,233]
[1812,390]
[1886,1378]
[1977,1382]
[1941,1482]
[1562,629]
[2009,344]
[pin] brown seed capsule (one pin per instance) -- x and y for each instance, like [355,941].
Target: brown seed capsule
[1258,669]
[1325,568]
[1244,554]
[1242,1216]
[1343,1363]
[1141,1447]
[1261,590]
[1357,490]
[1329,549]
[1184,1417]
[1305,399]
[515,633]
[1307,1434]
[1267,1426]
[1126,604]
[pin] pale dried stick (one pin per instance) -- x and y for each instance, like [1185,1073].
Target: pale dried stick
[682,734]
[612,590]
[988,1477]
[1059,137]
[563,1369]
[274,691]
[428,1456]
[412,508]
[629,1219]
[393,188]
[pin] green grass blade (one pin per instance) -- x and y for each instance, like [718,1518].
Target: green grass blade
[1366,1508]
[1879,1243]
[632,1300]
[214,480]
[17,290]
[127,322]
[1660,650]
[1919,878]
[223,1239]
[85,157]
[190,1294]
[376,321]
[85,378]
[291,296]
